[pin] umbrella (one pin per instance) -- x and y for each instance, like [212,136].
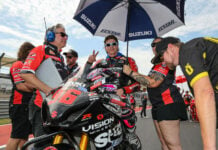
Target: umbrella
[130,19]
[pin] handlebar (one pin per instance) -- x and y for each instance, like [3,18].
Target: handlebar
[107,98]
[120,103]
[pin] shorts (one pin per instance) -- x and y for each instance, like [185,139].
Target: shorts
[174,111]
[21,126]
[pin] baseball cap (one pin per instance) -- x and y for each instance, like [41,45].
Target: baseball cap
[161,47]
[72,52]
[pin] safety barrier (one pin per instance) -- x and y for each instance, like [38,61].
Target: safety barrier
[5,92]
[4,105]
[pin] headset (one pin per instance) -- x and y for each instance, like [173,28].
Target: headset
[50,34]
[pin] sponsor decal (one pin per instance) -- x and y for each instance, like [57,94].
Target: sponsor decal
[86,116]
[28,62]
[16,76]
[171,22]
[88,21]
[188,69]
[109,87]
[98,125]
[32,58]
[96,78]
[110,32]
[68,97]
[79,85]
[16,70]
[18,80]
[65,97]
[106,137]
[100,117]
[83,89]
[96,85]
[93,96]
[94,73]
[116,69]
[102,80]
[113,108]
[143,33]
[32,55]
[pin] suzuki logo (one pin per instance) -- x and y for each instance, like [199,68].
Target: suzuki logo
[86,116]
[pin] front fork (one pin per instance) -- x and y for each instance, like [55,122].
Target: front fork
[58,139]
[83,141]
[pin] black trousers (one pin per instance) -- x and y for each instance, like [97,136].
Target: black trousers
[144,105]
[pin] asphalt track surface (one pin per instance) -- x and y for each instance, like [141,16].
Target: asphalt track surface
[190,134]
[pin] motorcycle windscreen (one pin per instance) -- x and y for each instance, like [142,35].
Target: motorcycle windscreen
[70,98]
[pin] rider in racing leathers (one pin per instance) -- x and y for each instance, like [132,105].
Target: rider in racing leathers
[125,84]
[115,59]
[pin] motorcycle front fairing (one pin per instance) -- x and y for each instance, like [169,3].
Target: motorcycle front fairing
[65,100]
[72,107]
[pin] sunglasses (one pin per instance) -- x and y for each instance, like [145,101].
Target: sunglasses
[111,44]
[69,57]
[62,34]
[153,44]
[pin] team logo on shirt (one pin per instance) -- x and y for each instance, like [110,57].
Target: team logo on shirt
[204,55]
[32,55]
[188,68]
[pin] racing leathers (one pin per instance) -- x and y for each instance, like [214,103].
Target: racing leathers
[123,81]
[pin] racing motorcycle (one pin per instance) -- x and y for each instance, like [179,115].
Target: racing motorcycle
[84,113]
